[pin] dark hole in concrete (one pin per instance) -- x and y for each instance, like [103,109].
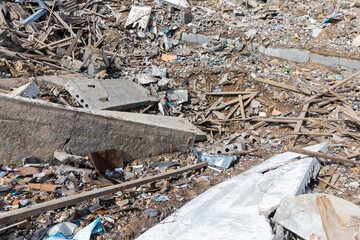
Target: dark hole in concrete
[91,86]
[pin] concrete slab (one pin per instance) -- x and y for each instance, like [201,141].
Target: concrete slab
[12,83]
[239,207]
[29,90]
[138,15]
[325,60]
[179,4]
[36,128]
[109,94]
[350,64]
[294,55]
[298,55]
[301,215]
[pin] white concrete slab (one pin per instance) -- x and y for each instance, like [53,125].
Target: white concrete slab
[238,208]
[301,215]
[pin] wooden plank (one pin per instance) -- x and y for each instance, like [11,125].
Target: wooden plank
[180,32]
[229,103]
[322,155]
[55,43]
[63,22]
[313,134]
[334,179]
[333,87]
[227,93]
[23,213]
[340,130]
[308,101]
[231,112]
[282,85]
[43,186]
[213,106]
[334,225]
[73,43]
[351,115]
[331,91]
[331,185]
[295,119]
[44,36]
[51,13]
[326,179]
[97,14]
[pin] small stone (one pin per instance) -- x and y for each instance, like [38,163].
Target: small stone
[356,41]
[262,114]
[151,212]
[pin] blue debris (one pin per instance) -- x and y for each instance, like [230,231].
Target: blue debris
[331,16]
[222,161]
[37,14]
[161,198]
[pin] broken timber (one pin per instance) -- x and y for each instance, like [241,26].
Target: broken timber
[323,156]
[19,214]
[282,85]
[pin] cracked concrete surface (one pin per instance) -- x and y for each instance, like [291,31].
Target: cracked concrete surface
[302,56]
[36,128]
[239,207]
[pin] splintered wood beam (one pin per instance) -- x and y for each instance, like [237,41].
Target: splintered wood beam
[334,225]
[282,85]
[323,156]
[32,210]
[227,93]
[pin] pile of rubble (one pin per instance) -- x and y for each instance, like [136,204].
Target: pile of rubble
[130,110]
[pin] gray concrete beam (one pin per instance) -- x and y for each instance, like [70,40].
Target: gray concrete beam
[36,128]
[109,94]
[298,55]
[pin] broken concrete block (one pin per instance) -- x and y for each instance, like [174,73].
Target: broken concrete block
[61,80]
[29,90]
[71,63]
[301,215]
[356,41]
[145,78]
[11,83]
[158,72]
[186,17]
[64,156]
[316,32]
[251,33]
[163,83]
[178,4]
[138,16]
[243,203]
[178,95]
[81,131]
[253,3]
[288,54]
[109,94]
[196,38]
